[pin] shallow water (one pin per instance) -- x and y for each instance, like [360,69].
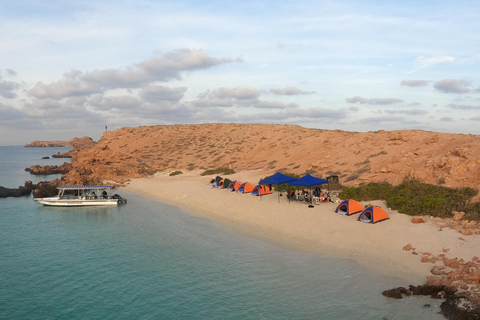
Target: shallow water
[150,260]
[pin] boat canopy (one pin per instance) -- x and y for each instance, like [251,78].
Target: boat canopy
[85,187]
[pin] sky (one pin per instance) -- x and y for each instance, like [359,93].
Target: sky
[75,68]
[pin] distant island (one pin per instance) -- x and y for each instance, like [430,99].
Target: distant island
[39,144]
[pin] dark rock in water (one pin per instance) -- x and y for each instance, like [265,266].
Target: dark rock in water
[45,157]
[396,293]
[21,191]
[426,306]
[432,290]
[460,306]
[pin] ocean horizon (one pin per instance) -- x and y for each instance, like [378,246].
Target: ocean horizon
[151,260]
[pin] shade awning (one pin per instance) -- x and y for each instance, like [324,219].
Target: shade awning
[308,181]
[278,178]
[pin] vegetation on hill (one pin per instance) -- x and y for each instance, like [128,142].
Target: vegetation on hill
[413,197]
[222,171]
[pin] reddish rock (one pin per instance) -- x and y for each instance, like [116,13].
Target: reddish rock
[458,215]
[466,232]
[408,247]
[437,270]
[418,220]
[425,258]
[433,281]
[451,263]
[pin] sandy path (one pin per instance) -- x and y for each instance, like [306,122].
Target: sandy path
[317,230]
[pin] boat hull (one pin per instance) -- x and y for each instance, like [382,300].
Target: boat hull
[77,203]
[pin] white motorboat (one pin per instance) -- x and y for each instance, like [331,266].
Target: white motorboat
[75,196]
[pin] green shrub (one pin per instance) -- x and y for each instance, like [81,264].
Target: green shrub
[415,198]
[175,173]
[220,171]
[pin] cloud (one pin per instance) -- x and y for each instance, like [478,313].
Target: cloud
[270,104]
[163,68]
[377,101]
[9,114]
[7,89]
[422,62]
[413,112]
[243,96]
[70,85]
[452,86]
[414,83]
[155,93]
[477,118]
[463,107]
[295,115]
[377,120]
[238,93]
[290,91]
[446,119]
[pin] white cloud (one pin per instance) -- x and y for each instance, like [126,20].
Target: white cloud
[453,86]
[290,91]
[375,101]
[422,62]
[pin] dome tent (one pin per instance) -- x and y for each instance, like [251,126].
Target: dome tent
[349,207]
[373,215]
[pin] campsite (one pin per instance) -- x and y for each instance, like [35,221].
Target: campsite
[296,193]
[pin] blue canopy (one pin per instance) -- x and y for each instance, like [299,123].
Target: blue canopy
[308,181]
[277,179]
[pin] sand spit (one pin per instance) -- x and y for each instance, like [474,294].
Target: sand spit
[317,230]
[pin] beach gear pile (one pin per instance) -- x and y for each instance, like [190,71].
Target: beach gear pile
[371,214]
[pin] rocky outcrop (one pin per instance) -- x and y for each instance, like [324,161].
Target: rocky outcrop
[460,306]
[46,188]
[46,170]
[21,191]
[457,305]
[36,144]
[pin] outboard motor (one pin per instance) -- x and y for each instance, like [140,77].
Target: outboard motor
[119,198]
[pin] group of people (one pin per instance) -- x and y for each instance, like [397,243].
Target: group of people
[317,193]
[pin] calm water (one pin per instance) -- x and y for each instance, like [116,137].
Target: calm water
[150,260]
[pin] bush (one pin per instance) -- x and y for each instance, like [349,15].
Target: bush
[219,171]
[175,173]
[415,198]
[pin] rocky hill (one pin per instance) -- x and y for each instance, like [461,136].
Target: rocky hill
[356,157]
[36,144]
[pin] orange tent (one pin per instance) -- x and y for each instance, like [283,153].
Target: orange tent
[261,190]
[247,187]
[373,215]
[349,207]
[235,185]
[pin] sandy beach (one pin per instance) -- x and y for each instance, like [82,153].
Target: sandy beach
[317,230]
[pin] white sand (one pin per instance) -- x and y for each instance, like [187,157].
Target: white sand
[317,230]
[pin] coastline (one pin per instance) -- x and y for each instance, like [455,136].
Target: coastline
[317,230]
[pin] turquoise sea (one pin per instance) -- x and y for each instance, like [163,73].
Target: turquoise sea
[151,260]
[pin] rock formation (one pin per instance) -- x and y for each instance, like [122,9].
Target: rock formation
[48,144]
[21,191]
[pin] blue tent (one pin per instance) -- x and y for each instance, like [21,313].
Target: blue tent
[308,181]
[277,179]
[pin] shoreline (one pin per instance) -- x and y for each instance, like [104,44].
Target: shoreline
[317,230]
